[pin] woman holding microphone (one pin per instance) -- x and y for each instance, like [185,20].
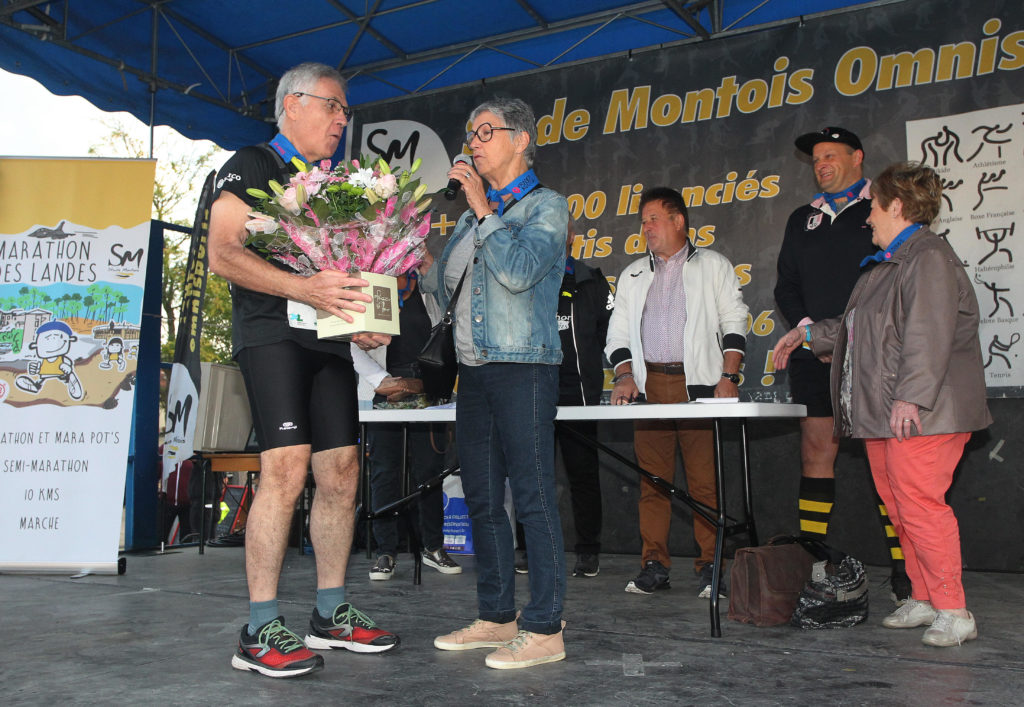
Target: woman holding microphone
[509,246]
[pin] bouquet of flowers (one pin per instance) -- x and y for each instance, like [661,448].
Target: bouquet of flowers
[358,217]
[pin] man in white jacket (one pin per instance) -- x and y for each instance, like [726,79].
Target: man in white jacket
[677,333]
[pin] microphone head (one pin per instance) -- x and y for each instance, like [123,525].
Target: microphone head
[453,184]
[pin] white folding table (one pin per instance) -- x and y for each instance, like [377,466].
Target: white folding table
[716,412]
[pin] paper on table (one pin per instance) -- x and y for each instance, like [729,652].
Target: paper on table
[717,400]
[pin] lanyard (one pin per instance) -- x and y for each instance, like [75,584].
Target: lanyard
[284,147]
[410,277]
[896,243]
[520,187]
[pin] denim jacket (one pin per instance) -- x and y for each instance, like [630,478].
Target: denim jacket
[518,263]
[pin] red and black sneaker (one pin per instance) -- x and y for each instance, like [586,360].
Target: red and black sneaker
[351,629]
[275,652]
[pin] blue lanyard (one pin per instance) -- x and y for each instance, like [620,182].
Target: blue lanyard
[410,277]
[286,149]
[850,194]
[896,243]
[520,187]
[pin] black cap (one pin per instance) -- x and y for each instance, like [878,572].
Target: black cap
[806,143]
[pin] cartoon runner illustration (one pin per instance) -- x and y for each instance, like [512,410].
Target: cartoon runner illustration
[113,354]
[52,343]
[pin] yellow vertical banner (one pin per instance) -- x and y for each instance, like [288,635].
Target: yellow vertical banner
[73,240]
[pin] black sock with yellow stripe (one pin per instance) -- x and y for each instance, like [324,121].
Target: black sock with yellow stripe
[816,499]
[891,539]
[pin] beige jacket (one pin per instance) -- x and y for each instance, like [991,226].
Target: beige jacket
[915,338]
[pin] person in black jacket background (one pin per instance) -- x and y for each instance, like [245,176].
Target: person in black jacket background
[585,304]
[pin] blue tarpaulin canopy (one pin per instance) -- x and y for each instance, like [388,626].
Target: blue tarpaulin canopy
[209,69]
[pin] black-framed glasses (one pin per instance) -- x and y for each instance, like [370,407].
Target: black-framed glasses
[334,106]
[485,132]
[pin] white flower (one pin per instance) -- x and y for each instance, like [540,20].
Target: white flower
[261,223]
[386,186]
[362,178]
[290,200]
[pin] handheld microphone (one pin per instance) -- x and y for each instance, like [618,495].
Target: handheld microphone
[452,190]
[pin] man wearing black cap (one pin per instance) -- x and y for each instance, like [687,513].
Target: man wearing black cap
[818,265]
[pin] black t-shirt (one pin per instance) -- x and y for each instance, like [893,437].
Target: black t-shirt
[258,319]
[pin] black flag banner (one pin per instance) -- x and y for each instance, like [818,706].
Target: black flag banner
[183,391]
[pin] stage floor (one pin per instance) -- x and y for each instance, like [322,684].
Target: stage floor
[163,634]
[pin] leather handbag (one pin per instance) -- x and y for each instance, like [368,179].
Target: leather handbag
[437,364]
[765,582]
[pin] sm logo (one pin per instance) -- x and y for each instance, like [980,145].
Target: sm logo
[400,142]
[120,257]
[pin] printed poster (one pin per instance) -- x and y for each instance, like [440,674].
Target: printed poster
[980,157]
[73,240]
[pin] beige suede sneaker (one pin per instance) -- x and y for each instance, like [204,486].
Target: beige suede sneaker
[526,650]
[479,634]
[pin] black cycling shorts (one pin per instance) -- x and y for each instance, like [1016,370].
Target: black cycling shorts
[300,396]
[809,382]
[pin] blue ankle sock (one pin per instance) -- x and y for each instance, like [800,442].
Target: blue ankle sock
[327,600]
[261,612]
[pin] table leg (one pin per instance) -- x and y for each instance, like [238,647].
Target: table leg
[364,493]
[204,468]
[720,524]
[410,524]
[748,501]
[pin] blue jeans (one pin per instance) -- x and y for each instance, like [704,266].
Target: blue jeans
[385,443]
[504,425]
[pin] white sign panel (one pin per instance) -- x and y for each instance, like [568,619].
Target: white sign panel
[980,157]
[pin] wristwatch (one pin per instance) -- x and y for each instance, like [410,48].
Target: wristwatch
[734,377]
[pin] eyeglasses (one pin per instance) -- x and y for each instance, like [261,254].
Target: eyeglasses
[334,106]
[484,132]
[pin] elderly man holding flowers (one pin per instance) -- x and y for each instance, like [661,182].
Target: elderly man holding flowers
[302,390]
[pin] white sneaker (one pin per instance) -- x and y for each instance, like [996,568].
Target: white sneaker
[912,614]
[948,629]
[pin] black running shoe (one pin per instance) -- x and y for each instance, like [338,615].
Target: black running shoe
[350,629]
[652,577]
[707,575]
[275,652]
[587,565]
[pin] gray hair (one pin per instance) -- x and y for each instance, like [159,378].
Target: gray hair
[303,79]
[517,115]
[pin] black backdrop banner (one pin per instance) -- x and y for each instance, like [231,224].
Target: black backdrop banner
[717,121]
[190,323]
